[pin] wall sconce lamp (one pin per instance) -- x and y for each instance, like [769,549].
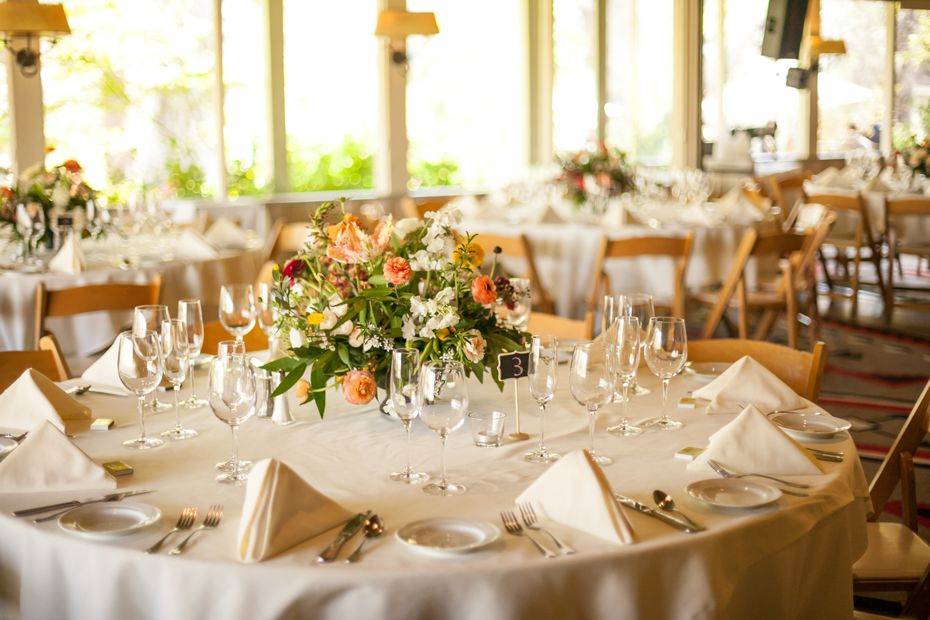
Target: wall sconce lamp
[28,20]
[398,25]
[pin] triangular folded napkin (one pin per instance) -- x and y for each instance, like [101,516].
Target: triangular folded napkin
[105,371]
[34,399]
[48,461]
[751,443]
[227,235]
[70,258]
[575,492]
[749,382]
[281,510]
[191,246]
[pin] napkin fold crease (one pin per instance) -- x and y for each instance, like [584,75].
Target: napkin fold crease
[745,382]
[34,399]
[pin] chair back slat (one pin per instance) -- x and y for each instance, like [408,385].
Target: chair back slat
[418,208]
[14,363]
[777,243]
[290,239]
[542,323]
[518,246]
[907,206]
[214,333]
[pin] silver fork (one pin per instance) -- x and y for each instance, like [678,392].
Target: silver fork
[185,522]
[209,522]
[725,473]
[530,521]
[16,438]
[513,527]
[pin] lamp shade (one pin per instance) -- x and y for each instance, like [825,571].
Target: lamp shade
[33,18]
[393,23]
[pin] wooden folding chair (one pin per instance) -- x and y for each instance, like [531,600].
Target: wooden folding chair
[897,559]
[92,298]
[754,195]
[801,371]
[419,207]
[265,274]
[14,363]
[560,327]
[518,246]
[676,248]
[214,333]
[786,189]
[289,240]
[50,343]
[898,245]
[861,241]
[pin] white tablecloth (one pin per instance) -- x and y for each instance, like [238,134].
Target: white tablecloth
[790,560]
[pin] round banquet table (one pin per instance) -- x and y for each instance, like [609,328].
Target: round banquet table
[791,559]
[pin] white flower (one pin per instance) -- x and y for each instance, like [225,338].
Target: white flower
[329,319]
[356,338]
[343,330]
[475,346]
[409,328]
[406,226]
[297,338]
[338,307]
[60,196]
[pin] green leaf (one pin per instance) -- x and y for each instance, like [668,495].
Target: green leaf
[318,383]
[284,363]
[343,352]
[290,379]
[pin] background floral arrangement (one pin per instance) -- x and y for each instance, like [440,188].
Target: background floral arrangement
[597,174]
[364,286]
[61,188]
[916,155]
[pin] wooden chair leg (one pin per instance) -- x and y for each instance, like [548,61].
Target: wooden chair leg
[765,324]
[743,309]
[918,601]
[857,262]
[908,492]
[826,270]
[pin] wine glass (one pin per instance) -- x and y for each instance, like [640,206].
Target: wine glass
[442,403]
[591,386]
[140,370]
[623,361]
[30,224]
[405,365]
[611,308]
[191,314]
[176,360]
[237,309]
[517,315]
[268,317]
[232,399]
[224,349]
[544,363]
[641,306]
[666,351]
[151,318]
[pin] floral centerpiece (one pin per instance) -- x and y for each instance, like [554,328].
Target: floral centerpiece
[363,286]
[916,155]
[592,177]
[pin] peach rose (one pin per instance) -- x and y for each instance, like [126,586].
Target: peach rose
[302,391]
[397,271]
[483,290]
[358,387]
[475,346]
[348,243]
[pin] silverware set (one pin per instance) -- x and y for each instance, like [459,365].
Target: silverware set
[210,522]
[726,473]
[530,523]
[185,522]
[367,522]
[16,438]
[668,514]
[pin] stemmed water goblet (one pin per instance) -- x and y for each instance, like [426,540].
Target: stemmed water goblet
[543,366]
[139,365]
[623,361]
[151,318]
[442,403]
[30,225]
[592,387]
[237,309]
[191,314]
[224,349]
[176,360]
[642,306]
[405,365]
[516,315]
[232,399]
[666,351]
[268,317]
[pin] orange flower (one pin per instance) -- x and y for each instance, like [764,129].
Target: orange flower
[483,290]
[397,271]
[302,391]
[358,387]
[348,243]
[71,165]
[6,193]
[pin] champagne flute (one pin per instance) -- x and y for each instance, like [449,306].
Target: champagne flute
[666,350]
[140,370]
[268,317]
[405,366]
[611,308]
[237,309]
[176,362]
[544,363]
[151,318]
[591,386]
[191,314]
[642,306]
[232,399]
[623,361]
[442,403]
[224,349]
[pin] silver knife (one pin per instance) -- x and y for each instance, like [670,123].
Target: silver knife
[629,502]
[349,530]
[117,498]
[27,512]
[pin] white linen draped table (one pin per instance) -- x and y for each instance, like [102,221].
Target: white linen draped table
[915,229]
[792,559]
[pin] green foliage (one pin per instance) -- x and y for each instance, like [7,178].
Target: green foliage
[433,174]
[240,180]
[186,180]
[351,166]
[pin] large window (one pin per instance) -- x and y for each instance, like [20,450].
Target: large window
[574,88]
[6,145]
[912,73]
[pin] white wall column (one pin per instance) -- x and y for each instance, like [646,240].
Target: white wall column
[686,92]
[274,70]
[539,65]
[219,95]
[27,111]
[600,49]
[891,35]
[391,173]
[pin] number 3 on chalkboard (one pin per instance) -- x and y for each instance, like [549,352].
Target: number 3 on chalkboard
[513,365]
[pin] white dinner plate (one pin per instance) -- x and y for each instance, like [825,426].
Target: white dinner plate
[706,370]
[444,536]
[812,425]
[107,520]
[7,445]
[733,492]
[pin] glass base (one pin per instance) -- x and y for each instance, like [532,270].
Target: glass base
[194,403]
[158,405]
[667,424]
[638,390]
[408,476]
[227,466]
[144,443]
[541,456]
[238,477]
[624,429]
[179,434]
[600,459]
[444,490]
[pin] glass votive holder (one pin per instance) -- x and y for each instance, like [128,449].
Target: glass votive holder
[487,428]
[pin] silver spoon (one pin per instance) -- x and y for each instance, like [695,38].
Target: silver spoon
[665,502]
[374,527]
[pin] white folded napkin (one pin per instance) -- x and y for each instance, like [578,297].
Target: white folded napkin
[34,399]
[105,370]
[825,177]
[847,178]
[70,258]
[748,382]
[281,510]
[751,443]
[190,245]
[48,461]
[575,492]
[227,235]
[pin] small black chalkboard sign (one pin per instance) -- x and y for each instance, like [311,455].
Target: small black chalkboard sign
[513,365]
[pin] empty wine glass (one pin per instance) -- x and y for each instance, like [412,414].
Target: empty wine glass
[405,366]
[224,349]
[176,360]
[232,399]
[237,309]
[666,351]
[517,315]
[139,366]
[642,306]
[191,314]
[611,308]
[442,403]
[268,317]
[623,361]
[544,363]
[151,318]
[591,386]
[30,225]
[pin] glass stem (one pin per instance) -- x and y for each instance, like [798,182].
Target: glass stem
[665,397]
[193,394]
[592,418]
[442,462]
[177,407]
[626,401]
[141,405]
[542,429]
[407,469]
[235,457]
